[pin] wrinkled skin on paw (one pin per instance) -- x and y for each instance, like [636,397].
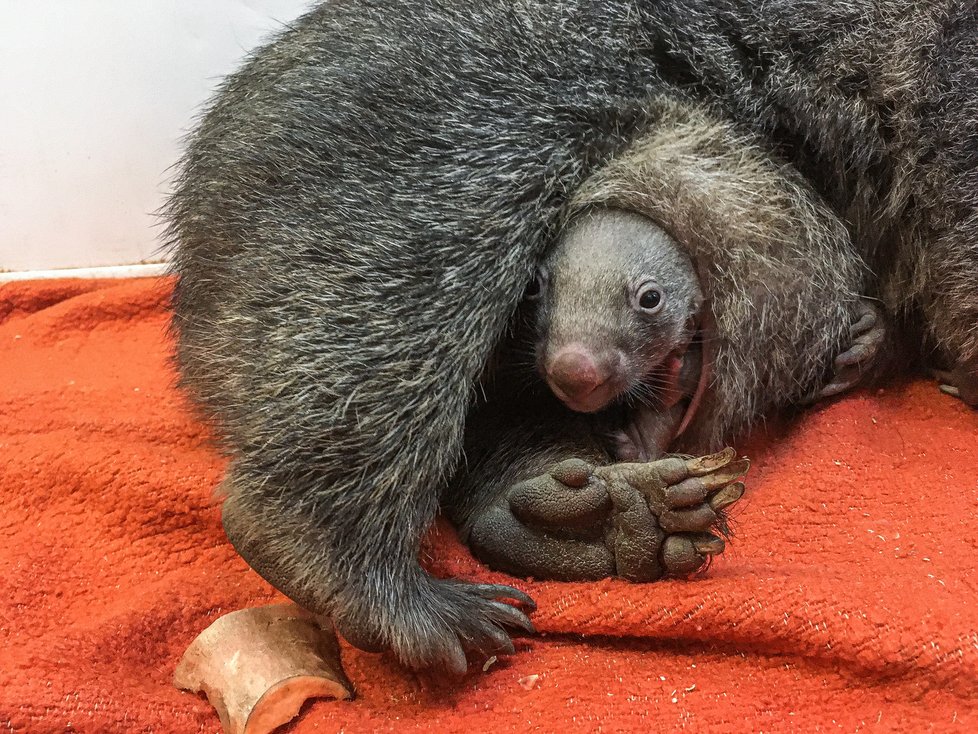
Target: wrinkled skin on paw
[640,522]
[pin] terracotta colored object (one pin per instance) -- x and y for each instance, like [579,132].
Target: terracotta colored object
[845,601]
[258,666]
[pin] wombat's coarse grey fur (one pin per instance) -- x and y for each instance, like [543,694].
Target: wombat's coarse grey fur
[363,203]
[597,343]
[596,346]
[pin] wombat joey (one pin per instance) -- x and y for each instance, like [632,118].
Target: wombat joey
[622,318]
[619,320]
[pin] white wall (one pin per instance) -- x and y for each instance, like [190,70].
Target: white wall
[94,98]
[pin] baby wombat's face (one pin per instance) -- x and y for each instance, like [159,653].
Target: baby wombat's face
[618,301]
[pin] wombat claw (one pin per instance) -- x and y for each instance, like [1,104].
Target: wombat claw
[635,521]
[959,382]
[867,336]
[436,630]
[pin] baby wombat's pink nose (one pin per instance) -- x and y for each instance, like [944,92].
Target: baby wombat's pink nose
[574,373]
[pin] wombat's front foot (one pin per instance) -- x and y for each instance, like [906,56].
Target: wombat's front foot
[961,382]
[636,521]
[434,622]
[383,600]
[867,336]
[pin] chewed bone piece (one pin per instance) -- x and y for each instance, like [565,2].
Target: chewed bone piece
[258,666]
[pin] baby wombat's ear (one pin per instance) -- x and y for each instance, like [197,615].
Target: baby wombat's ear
[537,286]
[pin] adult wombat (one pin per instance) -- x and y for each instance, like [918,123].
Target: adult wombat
[363,203]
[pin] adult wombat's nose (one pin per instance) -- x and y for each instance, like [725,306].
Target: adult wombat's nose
[578,377]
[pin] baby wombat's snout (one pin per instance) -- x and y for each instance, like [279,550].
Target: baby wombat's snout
[586,379]
[618,304]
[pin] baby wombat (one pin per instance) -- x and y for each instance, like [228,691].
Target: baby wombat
[619,309]
[622,318]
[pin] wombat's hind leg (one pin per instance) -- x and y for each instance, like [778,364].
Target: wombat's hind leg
[867,334]
[946,268]
[950,305]
[687,499]
[637,521]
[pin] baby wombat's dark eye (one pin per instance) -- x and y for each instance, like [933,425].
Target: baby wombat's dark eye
[649,298]
[536,286]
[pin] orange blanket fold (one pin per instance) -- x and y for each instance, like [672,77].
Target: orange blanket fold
[847,600]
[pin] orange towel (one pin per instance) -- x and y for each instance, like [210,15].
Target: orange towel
[848,600]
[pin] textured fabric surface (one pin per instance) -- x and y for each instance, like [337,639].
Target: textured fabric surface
[846,602]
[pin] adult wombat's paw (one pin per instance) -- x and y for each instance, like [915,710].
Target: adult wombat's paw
[637,521]
[960,382]
[436,622]
[867,336]
[685,499]
[552,526]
